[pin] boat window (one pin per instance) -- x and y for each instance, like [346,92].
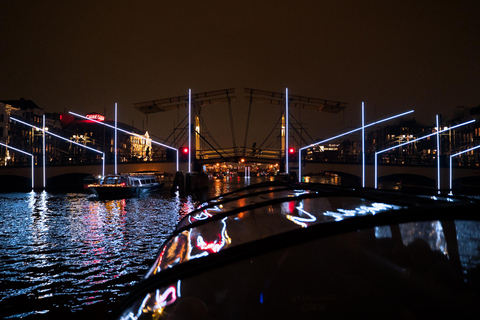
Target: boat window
[111,180]
[135,182]
[412,270]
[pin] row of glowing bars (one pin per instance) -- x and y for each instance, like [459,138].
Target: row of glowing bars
[362,128]
[45,131]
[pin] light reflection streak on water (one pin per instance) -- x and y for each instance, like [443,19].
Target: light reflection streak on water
[68,252]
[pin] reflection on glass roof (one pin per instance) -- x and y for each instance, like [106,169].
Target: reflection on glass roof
[374,208]
[417,257]
[232,229]
[302,221]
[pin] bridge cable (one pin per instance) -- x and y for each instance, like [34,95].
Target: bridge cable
[268,136]
[301,127]
[174,129]
[204,126]
[248,123]
[231,120]
[201,136]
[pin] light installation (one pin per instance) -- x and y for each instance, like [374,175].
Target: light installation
[29,154]
[341,135]
[68,140]
[116,131]
[412,141]
[438,153]
[451,167]
[189,130]
[363,144]
[44,151]
[286,130]
[125,131]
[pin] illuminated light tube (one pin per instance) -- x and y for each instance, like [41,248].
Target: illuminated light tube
[418,139]
[130,133]
[363,144]
[44,151]
[344,134]
[24,152]
[189,130]
[68,140]
[286,130]
[438,154]
[115,138]
[451,167]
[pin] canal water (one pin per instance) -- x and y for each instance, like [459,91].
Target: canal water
[69,255]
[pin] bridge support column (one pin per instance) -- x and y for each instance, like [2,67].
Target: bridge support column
[178,182]
[38,178]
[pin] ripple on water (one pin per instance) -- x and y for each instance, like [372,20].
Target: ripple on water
[70,254]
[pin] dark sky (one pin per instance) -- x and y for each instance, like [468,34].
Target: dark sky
[86,55]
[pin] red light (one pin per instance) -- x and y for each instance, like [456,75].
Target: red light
[291,150]
[95,116]
[185,150]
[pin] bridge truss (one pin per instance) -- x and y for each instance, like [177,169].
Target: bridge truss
[206,146]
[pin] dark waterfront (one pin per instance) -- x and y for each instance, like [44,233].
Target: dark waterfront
[70,255]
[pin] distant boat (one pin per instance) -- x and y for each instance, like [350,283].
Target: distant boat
[114,186]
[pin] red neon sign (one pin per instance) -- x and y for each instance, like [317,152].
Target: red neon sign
[95,116]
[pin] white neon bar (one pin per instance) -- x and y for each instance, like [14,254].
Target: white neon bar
[415,140]
[130,133]
[438,153]
[426,136]
[44,151]
[63,138]
[357,129]
[83,146]
[341,135]
[74,142]
[21,151]
[451,166]
[189,130]
[363,144]
[115,138]
[119,129]
[31,155]
[33,173]
[286,131]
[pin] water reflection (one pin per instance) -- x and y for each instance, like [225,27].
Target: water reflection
[68,254]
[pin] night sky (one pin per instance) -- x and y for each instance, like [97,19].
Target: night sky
[84,56]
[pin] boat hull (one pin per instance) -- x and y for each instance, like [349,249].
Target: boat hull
[118,192]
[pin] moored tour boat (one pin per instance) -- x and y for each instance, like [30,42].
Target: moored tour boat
[125,185]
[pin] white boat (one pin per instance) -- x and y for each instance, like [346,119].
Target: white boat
[114,186]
